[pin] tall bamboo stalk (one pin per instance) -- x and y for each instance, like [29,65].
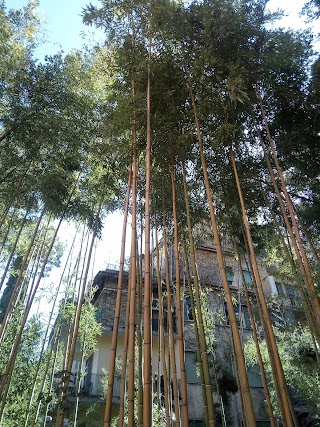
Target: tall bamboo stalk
[243,378]
[20,276]
[196,333]
[147,334]
[139,328]
[171,330]
[5,237]
[184,409]
[307,235]
[133,278]
[255,336]
[162,344]
[286,416]
[65,382]
[125,355]
[45,337]
[14,194]
[114,339]
[55,338]
[306,303]
[293,230]
[203,344]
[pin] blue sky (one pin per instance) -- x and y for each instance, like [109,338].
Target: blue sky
[61,22]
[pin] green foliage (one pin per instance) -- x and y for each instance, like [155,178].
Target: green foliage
[299,364]
[23,374]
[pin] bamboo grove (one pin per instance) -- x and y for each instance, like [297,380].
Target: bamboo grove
[189,116]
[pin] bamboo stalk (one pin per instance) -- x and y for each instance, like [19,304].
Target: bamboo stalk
[202,338]
[286,416]
[306,234]
[124,355]
[255,336]
[309,314]
[162,343]
[133,278]
[293,230]
[20,276]
[139,332]
[171,330]
[60,414]
[243,378]
[114,339]
[184,409]
[197,339]
[147,335]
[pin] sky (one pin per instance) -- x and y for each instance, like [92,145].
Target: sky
[62,22]
[63,30]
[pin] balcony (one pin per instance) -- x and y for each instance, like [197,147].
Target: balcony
[92,385]
[96,385]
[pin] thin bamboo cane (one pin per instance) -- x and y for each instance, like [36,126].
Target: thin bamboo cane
[306,234]
[293,230]
[14,194]
[202,338]
[171,331]
[60,414]
[133,278]
[184,409]
[139,330]
[29,282]
[286,194]
[55,342]
[162,344]
[5,272]
[27,311]
[55,339]
[308,312]
[282,382]
[265,329]
[243,378]
[53,369]
[20,276]
[125,355]
[5,237]
[45,337]
[255,335]
[197,339]
[147,335]
[114,339]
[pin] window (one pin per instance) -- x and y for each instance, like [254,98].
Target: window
[196,423]
[242,316]
[191,367]
[155,304]
[247,277]
[279,288]
[293,294]
[188,309]
[254,376]
[230,275]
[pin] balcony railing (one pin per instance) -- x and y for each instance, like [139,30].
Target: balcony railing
[91,385]
[96,385]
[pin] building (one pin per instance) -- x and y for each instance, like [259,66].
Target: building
[97,364]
